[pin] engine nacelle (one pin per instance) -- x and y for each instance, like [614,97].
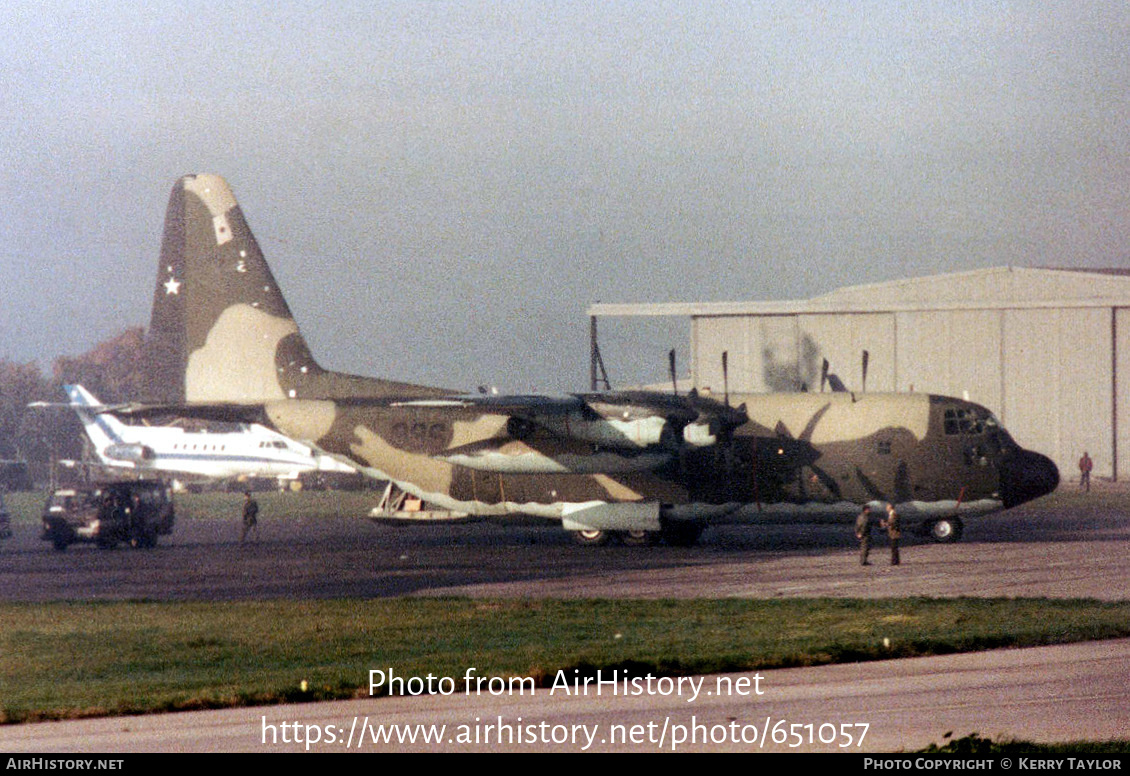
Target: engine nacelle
[133,453]
[623,433]
[700,434]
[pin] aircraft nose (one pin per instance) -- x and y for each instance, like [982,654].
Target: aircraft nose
[1027,475]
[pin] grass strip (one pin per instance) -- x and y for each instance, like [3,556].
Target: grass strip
[63,660]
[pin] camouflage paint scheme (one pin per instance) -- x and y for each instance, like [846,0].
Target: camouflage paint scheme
[223,343]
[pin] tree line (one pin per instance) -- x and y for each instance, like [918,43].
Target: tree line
[112,370]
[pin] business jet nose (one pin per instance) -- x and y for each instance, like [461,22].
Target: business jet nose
[1026,475]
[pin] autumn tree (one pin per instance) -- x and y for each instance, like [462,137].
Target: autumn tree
[20,384]
[112,370]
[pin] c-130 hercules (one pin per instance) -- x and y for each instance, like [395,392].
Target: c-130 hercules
[636,466]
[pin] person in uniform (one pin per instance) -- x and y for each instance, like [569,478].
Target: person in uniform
[5,522]
[863,525]
[891,524]
[1086,463]
[250,517]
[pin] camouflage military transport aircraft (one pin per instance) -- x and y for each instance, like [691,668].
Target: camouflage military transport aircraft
[631,465]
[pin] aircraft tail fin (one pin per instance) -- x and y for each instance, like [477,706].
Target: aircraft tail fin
[221,330]
[103,429]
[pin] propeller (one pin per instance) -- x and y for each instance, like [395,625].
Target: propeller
[671,365]
[832,380]
[714,421]
[807,456]
[866,358]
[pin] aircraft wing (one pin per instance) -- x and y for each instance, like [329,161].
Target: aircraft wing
[95,409]
[526,406]
[226,412]
[504,405]
[622,420]
[625,420]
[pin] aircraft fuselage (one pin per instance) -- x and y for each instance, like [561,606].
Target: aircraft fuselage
[796,450]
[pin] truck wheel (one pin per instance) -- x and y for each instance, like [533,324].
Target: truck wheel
[681,533]
[143,539]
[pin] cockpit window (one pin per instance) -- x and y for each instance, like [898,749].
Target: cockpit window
[974,454]
[961,420]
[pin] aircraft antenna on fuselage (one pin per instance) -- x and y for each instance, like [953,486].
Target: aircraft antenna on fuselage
[596,361]
[726,377]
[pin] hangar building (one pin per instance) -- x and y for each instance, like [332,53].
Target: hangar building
[1047,350]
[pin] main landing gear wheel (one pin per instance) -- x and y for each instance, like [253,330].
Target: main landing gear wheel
[638,538]
[946,530]
[592,537]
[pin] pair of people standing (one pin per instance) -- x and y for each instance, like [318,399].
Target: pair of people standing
[863,526]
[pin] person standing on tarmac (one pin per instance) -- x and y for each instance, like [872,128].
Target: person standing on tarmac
[863,525]
[891,524]
[1086,464]
[5,522]
[250,517]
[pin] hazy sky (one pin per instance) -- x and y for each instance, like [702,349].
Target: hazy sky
[442,188]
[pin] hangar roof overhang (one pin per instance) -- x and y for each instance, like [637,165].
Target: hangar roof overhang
[994,288]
